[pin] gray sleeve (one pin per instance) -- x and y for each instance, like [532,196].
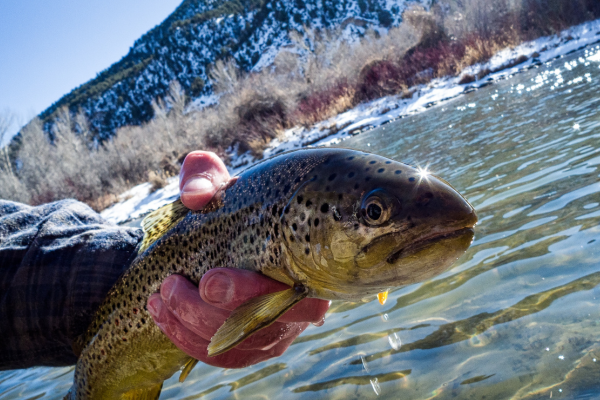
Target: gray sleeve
[57,262]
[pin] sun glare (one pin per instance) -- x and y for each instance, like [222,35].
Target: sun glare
[423,173]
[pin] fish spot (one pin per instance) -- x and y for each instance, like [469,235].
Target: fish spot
[388,162]
[351,175]
[398,172]
[308,203]
[307,238]
[316,222]
[355,186]
[372,162]
[307,251]
[351,158]
[299,199]
[325,208]
[294,226]
[380,170]
[368,178]
[411,179]
[332,177]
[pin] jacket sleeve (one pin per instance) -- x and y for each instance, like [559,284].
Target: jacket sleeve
[57,262]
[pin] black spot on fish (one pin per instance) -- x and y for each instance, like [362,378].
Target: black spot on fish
[372,162]
[351,175]
[351,158]
[355,186]
[412,179]
[388,162]
[302,217]
[332,177]
[368,178]
[398,172]
[325,208]
[316,222]
[294,226]
[380,170]
[308,203]
[300,199]
[307,238]
[307,251]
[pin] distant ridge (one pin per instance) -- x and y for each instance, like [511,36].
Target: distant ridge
[196,35]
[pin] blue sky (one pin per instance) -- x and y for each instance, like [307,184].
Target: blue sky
[48,48]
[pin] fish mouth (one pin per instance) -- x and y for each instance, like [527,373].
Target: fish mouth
[427,241]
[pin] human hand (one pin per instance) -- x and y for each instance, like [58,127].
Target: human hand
[190,316]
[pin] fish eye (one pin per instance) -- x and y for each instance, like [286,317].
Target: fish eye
[376,208]
[374,211]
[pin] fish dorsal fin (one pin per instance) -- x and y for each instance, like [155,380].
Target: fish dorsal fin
[159,222]
[252,316]
[189,366]
[151,393]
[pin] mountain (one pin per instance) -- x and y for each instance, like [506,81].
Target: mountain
[198,34]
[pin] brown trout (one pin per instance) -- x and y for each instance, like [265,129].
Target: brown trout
[333,224]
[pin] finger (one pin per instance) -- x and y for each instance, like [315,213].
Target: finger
[182,337]
[270,336]
[237,358]
[234,358]
[228,288]
[181,298]
[202,173]
[283,345]
[309,310]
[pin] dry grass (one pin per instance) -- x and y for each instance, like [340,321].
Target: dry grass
[328,78]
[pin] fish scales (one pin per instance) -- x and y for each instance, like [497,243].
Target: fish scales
[290,218]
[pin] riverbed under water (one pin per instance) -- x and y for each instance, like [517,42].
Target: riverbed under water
[518,316]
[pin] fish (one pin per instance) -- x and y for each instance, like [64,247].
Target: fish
[331,223]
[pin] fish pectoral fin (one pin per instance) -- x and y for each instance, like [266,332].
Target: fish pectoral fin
[151,393]
[252,316]
[159,222]
[189,366]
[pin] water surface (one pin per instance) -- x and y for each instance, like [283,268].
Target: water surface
[516,317]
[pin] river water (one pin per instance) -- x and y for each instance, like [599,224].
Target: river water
[518,316]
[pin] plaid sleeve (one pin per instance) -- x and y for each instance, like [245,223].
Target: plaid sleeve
[57,262]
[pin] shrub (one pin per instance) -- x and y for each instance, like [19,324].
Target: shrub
[466,78]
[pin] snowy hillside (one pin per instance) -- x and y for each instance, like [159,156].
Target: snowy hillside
[199,33]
